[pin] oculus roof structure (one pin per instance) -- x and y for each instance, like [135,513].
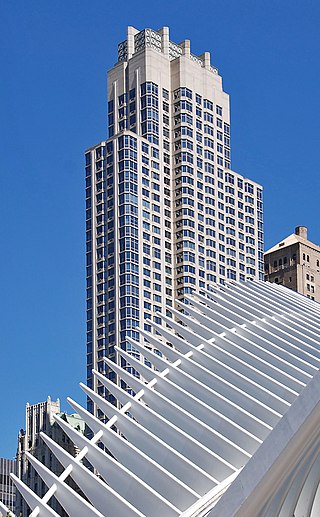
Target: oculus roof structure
[226,425]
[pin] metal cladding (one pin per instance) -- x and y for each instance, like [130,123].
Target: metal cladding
[226,424]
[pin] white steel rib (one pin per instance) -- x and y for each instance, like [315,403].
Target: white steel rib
[225,424]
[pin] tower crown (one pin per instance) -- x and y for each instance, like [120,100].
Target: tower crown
[159,41]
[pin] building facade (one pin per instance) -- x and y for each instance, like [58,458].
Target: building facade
[40,418]
[166,214]
[295,263]
[7,488]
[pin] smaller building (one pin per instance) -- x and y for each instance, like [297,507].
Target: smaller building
[7,488]
[40,417]
[295,263]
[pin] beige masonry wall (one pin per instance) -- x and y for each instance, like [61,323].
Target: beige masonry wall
[295,263]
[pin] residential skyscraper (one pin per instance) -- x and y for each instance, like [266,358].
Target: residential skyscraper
[166,215]
[295,263]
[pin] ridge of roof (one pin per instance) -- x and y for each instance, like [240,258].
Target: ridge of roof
[292,239]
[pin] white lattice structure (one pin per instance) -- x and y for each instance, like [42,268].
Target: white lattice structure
[227,425]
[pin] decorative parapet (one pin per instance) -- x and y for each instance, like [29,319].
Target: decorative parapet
[123,51]
[174,50]
[159,41]
[147,38]
[213,69]
[196,59]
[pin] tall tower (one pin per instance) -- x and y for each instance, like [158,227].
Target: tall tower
[166,215]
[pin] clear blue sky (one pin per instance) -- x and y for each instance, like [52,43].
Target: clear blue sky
[54,56]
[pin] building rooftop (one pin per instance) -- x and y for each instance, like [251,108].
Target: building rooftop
[300,235]
[74,420]
[159,41]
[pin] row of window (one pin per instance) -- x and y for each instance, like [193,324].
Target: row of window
[149,98]
[283,261]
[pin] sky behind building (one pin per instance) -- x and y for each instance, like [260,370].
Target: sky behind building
[54,57]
